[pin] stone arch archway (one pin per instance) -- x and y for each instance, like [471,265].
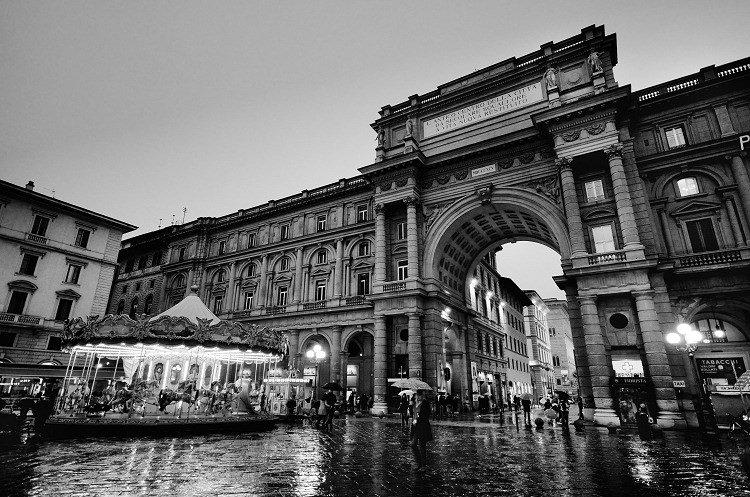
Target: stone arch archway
[475,224]
[358,353]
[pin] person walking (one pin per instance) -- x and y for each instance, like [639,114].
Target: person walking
[329,399]
[403,408]
[526,402]
[421,431]
[564,413]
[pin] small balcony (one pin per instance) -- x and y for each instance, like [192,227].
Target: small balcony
[36,238]
[311,306]
[358,300]
[617,256]
[711,258]
[277,309]
[23,319]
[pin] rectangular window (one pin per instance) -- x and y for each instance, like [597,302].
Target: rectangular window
[7,339]
[281,296]
[181,257]
[702,235]
[17,302]
[322,256]
[142,261]
[248,298]
[320,290]
[401,235]
[222,247]
[156,259]
[364,249]
[151,283]
[594,190]
[403,270]
[321,223]
[73,275]
[82,238]
[40,225]
[54,343]
[63,309]
[361,213]
[218,303]
[129,265]
[675,137]
[284,232]
[363,284]
[28,264]
[604,240]
[687,187]
[138,287]
[251,240]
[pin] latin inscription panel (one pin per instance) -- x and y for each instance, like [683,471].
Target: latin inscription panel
[481,111]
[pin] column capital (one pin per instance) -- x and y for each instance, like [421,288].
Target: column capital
[587,299]
[731,156]
[643,294]
[414,314]
[337,329]
[293,332]
[564,163]
[411,201]
[379,209]
[613,151]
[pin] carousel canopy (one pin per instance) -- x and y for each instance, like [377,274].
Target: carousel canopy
[188,324]
[191,307]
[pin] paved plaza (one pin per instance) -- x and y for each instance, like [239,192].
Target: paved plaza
[476,456]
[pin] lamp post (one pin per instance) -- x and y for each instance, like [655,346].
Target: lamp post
[317,354]
[686,339]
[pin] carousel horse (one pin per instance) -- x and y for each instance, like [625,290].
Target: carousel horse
[123,399]
[206,400]
[186,393]
[108,394]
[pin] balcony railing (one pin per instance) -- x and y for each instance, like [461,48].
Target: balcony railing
[240,314]
[358,300]
[6,317]
[314,305]
[277,309]
[710,258]
[36,238]
[394,287]
[608,257]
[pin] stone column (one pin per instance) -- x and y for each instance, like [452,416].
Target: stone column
[414,347]
[338,278]
[380,366]
[598,363]
[743,180]
[739,241]
[263,280]
[230,290]
[664,221]
[379,244]
[572,211]
[658,363]
[336,355]
[298,277]
[412,243]
[294,355]
[162,306]
[623,201]
[191,275]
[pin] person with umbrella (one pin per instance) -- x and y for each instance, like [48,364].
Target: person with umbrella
[329,399]
[526,403]
[421,431]
[403,406]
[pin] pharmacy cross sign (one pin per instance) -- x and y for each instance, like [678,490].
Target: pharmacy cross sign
[627,367]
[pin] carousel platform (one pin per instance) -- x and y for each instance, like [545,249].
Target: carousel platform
[121,426]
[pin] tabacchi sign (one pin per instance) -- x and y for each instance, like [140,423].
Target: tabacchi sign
[483,110]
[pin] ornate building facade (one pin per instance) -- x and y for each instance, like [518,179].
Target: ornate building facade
[645,195]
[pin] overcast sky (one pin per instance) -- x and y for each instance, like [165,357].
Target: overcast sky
[138,109]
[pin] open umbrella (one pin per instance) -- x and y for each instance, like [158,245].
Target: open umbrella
[562,395]
[406,392]
[526,396]
[332,386]
[412,383]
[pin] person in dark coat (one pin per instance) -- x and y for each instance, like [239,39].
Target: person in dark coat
[421,431]
[403,408]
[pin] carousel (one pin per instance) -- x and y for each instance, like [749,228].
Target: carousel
[181,372]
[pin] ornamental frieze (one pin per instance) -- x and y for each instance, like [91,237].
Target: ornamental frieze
[546,186]
[432,212]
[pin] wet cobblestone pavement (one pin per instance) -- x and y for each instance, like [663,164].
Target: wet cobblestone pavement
[370,456]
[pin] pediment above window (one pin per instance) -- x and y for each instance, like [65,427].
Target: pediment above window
[218,289]
[696,207]
[250,283]
[362,264]
[68,294]
[320,271]
[599,214]
[23,285]
[283,279]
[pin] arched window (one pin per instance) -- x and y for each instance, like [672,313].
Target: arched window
[179,281]
[687,187]
[148,305]
[133,308]
[251,270]
[284,264]
[220,276]
[322,257]
[363,249]
[121,307]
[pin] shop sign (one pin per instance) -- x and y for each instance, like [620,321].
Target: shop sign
[628,367]
[309,372]
[679,383]
[744,139]
[728,389]
[352,369]
[287,380]
[625,381]
[721,370]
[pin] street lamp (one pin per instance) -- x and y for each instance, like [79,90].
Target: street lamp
[686,339]
[317,354]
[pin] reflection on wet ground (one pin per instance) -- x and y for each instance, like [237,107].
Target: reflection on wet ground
[372,457]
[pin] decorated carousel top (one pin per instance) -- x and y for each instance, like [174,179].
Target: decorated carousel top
[188,324]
